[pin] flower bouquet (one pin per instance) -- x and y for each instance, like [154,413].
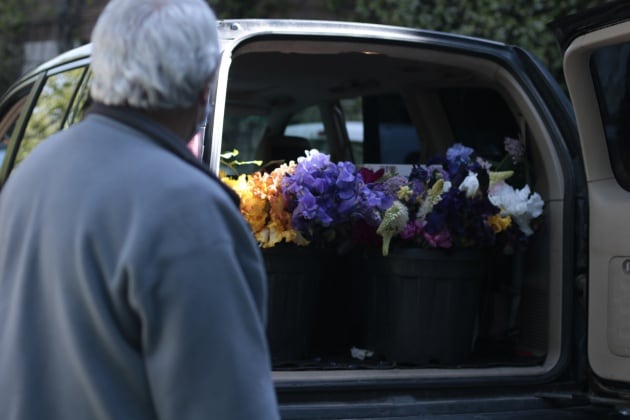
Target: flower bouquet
[458,201]
[301,214]
[420,298]
[264,206]
[312,202]
[418,238]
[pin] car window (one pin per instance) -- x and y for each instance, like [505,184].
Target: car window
[50,110]
[355,110]
[390,136]
[611,72]
[242,131]
[309,123]
[8,123]
[80,104]
[479,118]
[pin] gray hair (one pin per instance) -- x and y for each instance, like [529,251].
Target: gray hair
[153,54]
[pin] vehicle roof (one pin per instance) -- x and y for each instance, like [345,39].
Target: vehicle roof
[239,29]
[230,29]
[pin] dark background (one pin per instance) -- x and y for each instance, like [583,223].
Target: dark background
[32,31]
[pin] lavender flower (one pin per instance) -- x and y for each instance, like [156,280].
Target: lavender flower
[458,154]
[515,149]
[456,200]
[324,195]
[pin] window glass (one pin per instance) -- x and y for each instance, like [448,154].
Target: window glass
[242,132]
[611,75]
[479,118]
[308,124]
[390,136]
[353,114]
[7,125]
[50,109]
[81,104]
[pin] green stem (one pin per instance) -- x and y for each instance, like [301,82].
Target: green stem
[502,162]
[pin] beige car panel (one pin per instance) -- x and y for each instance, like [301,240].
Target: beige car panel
[609,208]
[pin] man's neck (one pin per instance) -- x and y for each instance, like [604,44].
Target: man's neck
[182,122]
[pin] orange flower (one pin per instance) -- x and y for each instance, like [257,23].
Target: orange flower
[264,207]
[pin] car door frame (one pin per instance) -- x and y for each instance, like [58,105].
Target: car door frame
[608,346]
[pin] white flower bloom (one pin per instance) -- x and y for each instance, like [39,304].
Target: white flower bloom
[447,186]
[521,205]
[361,354]
[470,184]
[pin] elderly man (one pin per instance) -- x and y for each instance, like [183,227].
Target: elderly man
[132,287]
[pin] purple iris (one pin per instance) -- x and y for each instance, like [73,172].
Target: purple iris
[322,194]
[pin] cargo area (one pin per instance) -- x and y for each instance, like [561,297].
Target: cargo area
[395,105]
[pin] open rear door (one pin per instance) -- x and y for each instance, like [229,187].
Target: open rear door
[597,71]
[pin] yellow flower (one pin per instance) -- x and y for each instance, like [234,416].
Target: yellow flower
[252,207]
[498,223]
[434,195]
[264,207]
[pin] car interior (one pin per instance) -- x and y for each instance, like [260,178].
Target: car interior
[410,104]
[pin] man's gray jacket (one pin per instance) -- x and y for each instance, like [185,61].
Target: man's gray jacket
[130,286]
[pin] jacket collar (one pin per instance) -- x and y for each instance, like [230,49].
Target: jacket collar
[160,135]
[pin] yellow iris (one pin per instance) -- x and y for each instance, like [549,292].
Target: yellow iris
[498,223]
[264,207]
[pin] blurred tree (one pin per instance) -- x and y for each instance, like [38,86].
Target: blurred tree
[226,9]
[519,22]
[13,18]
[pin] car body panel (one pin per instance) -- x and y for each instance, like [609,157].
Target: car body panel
[609,201]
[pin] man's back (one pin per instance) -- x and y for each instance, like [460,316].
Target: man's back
[109,305]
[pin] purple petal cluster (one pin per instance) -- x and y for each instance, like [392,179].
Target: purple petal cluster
[515,149]
[447,202]
[458,154]
[456,220]
[324,195]
[464,218]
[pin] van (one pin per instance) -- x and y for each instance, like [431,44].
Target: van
[547,331]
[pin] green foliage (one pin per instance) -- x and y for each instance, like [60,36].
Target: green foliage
[13,17]
[49,110]
[519,22]
[230,9]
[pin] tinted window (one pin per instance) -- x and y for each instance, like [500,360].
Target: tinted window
[242,131]
[390,136]
[309,124]
[50,109]
[479,118]
[81,103]
[8,122]
[611,75]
